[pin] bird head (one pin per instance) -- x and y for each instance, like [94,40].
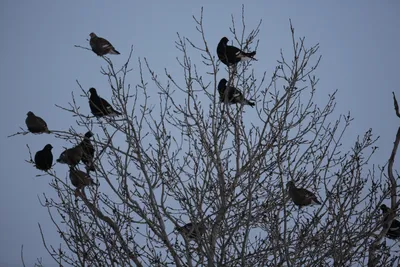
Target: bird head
[48,147]
[30,113]
[290,184]
[384,208]
[222,84]
[88,134]
[92,35]
[93,91]
[224,40]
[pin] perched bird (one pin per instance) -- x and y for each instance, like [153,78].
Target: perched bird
[36,124]
[71,156]
[101,46]
[394,230]
[79,179]
[88,151]
[191,231]
[99,106]
[230,55]
[44,158]
[231,95]
[300,196]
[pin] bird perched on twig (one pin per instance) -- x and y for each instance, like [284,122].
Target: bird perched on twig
[101,46]
[79,179]
[230,55]
[99,106]
[36,124]
[231,95]
[71,156]
[88,151]
[44,158]
[301,196]
[394,229]
[191,230]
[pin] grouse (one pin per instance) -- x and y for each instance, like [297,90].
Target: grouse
[99,106]
[88,151]
[44,158]
[191,231]
[230,55]
[300,196]
[394,230]
[231,95]
[79,179]
[71,156]
[101,46]
[36,124]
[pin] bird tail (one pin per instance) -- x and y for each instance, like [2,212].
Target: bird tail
[315,201]
[114,51]
[248,102]
[247,56]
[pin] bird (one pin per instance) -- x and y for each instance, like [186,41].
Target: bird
[36,124]
[394,230]
[88,151]
[101,46]
[230,55]
[191,230]
[79,179]
[231,95]
[44,158]
[99,106]
[71,156]
[301,196]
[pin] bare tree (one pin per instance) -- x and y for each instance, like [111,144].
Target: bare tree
[179,155]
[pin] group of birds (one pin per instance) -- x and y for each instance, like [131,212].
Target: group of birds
[84,151]
[230,56]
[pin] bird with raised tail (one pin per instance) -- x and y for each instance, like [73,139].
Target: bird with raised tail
[35,124]
[231,95]
[99,106]
[301,196]
[230,55]
[101,46]
[394,229]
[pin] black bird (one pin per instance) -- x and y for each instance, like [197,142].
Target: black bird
[71,156]
[231,95]
[79,179]
[101,46]
[88,151]
[301,196]
[44,158]
[99,106]
[191,231]
[36,124]
[231,55]
[394,230]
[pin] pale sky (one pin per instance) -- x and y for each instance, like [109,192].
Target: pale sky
[359,43]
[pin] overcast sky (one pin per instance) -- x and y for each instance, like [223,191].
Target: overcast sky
[359,43]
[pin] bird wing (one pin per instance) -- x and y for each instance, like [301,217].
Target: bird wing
[103,43]
[41,121]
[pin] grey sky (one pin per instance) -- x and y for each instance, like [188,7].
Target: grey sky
[359,43]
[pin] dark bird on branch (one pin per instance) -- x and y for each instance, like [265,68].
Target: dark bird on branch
[191,231]
[101,46]
[300,196]
[231,95]
[36,124]
[80,179]
[44,158]
[71,156]
[394,230]
[231,55]
[88,151]
[99,106]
